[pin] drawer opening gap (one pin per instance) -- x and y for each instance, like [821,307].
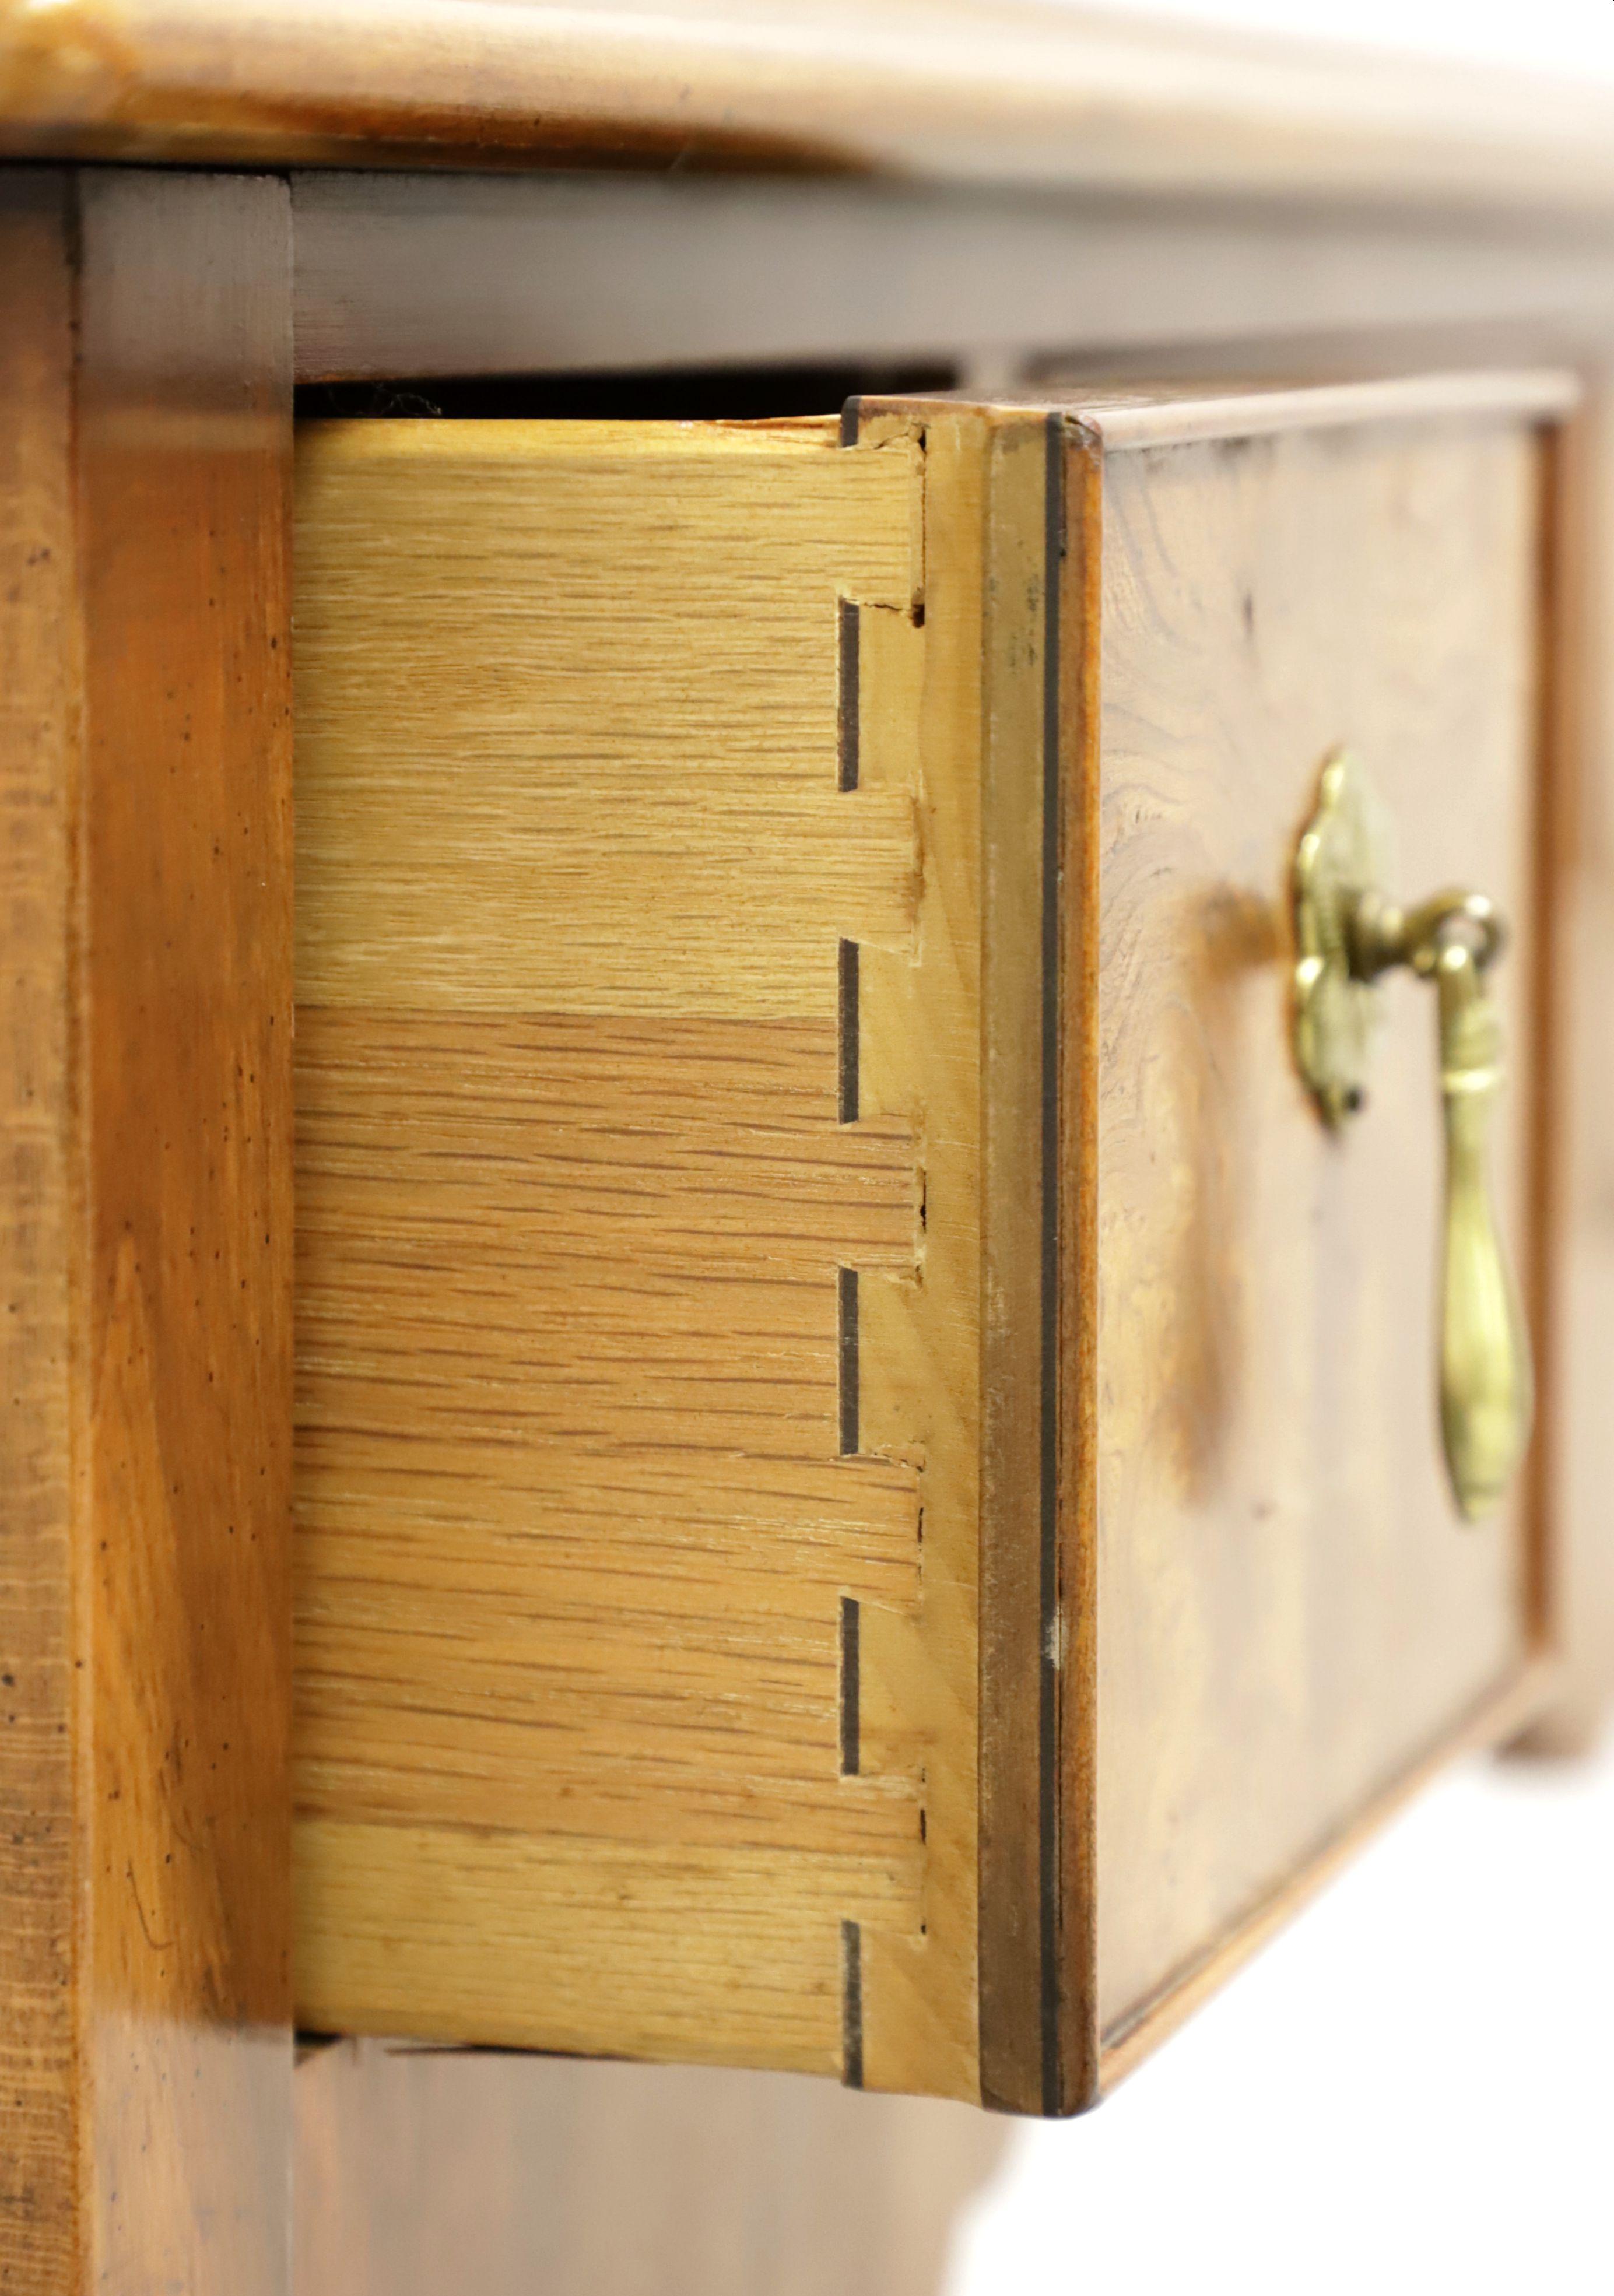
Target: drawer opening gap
[738,393]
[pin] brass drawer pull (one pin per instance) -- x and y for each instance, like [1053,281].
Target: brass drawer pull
[1346,934]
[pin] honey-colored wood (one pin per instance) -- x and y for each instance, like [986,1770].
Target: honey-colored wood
[1019,753]
[41,1945]
[1495,1722]
[144,2110]
[570,1564]
[1575,1335]
[1061,1658]
[921,1375]
[934,1675]
[1099,1903]
[1288,1613]
[576,869]
[423,2169]
[1013,91]
[560,720]
[1577,1467]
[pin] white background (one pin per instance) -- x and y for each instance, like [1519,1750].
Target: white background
[1413,2090]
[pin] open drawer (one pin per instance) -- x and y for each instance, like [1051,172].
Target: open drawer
[871,1486]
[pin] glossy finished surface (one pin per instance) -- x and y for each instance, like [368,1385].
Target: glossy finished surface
[443,274]
[1291,1611]
[1013,92]
[144,2113]
[42,2221]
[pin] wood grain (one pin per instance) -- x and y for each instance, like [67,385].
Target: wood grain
[1288,1614]
[1023,93]
[1100,671]
[151,948]
[42,2223]
[570,1557]
[646,746]
[921,1362]
[1495,1722]
[1019,768]
[1572,1461]
[951,1728]
[423,2169]
[576,1530]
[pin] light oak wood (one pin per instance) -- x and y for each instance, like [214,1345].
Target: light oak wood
[1013,91]
[576,870]
[587,718]
[919,1370]
[632,1717]
[145,2103]
[571,1564]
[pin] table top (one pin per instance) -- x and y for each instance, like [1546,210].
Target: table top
[1020,92]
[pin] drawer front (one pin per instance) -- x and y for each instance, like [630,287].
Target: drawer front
[870,1486]
[1291,1613]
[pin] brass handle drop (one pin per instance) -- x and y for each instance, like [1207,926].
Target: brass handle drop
[1486,1400]
[1348,935]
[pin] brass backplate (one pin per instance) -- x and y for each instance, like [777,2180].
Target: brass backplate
[1342,856]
